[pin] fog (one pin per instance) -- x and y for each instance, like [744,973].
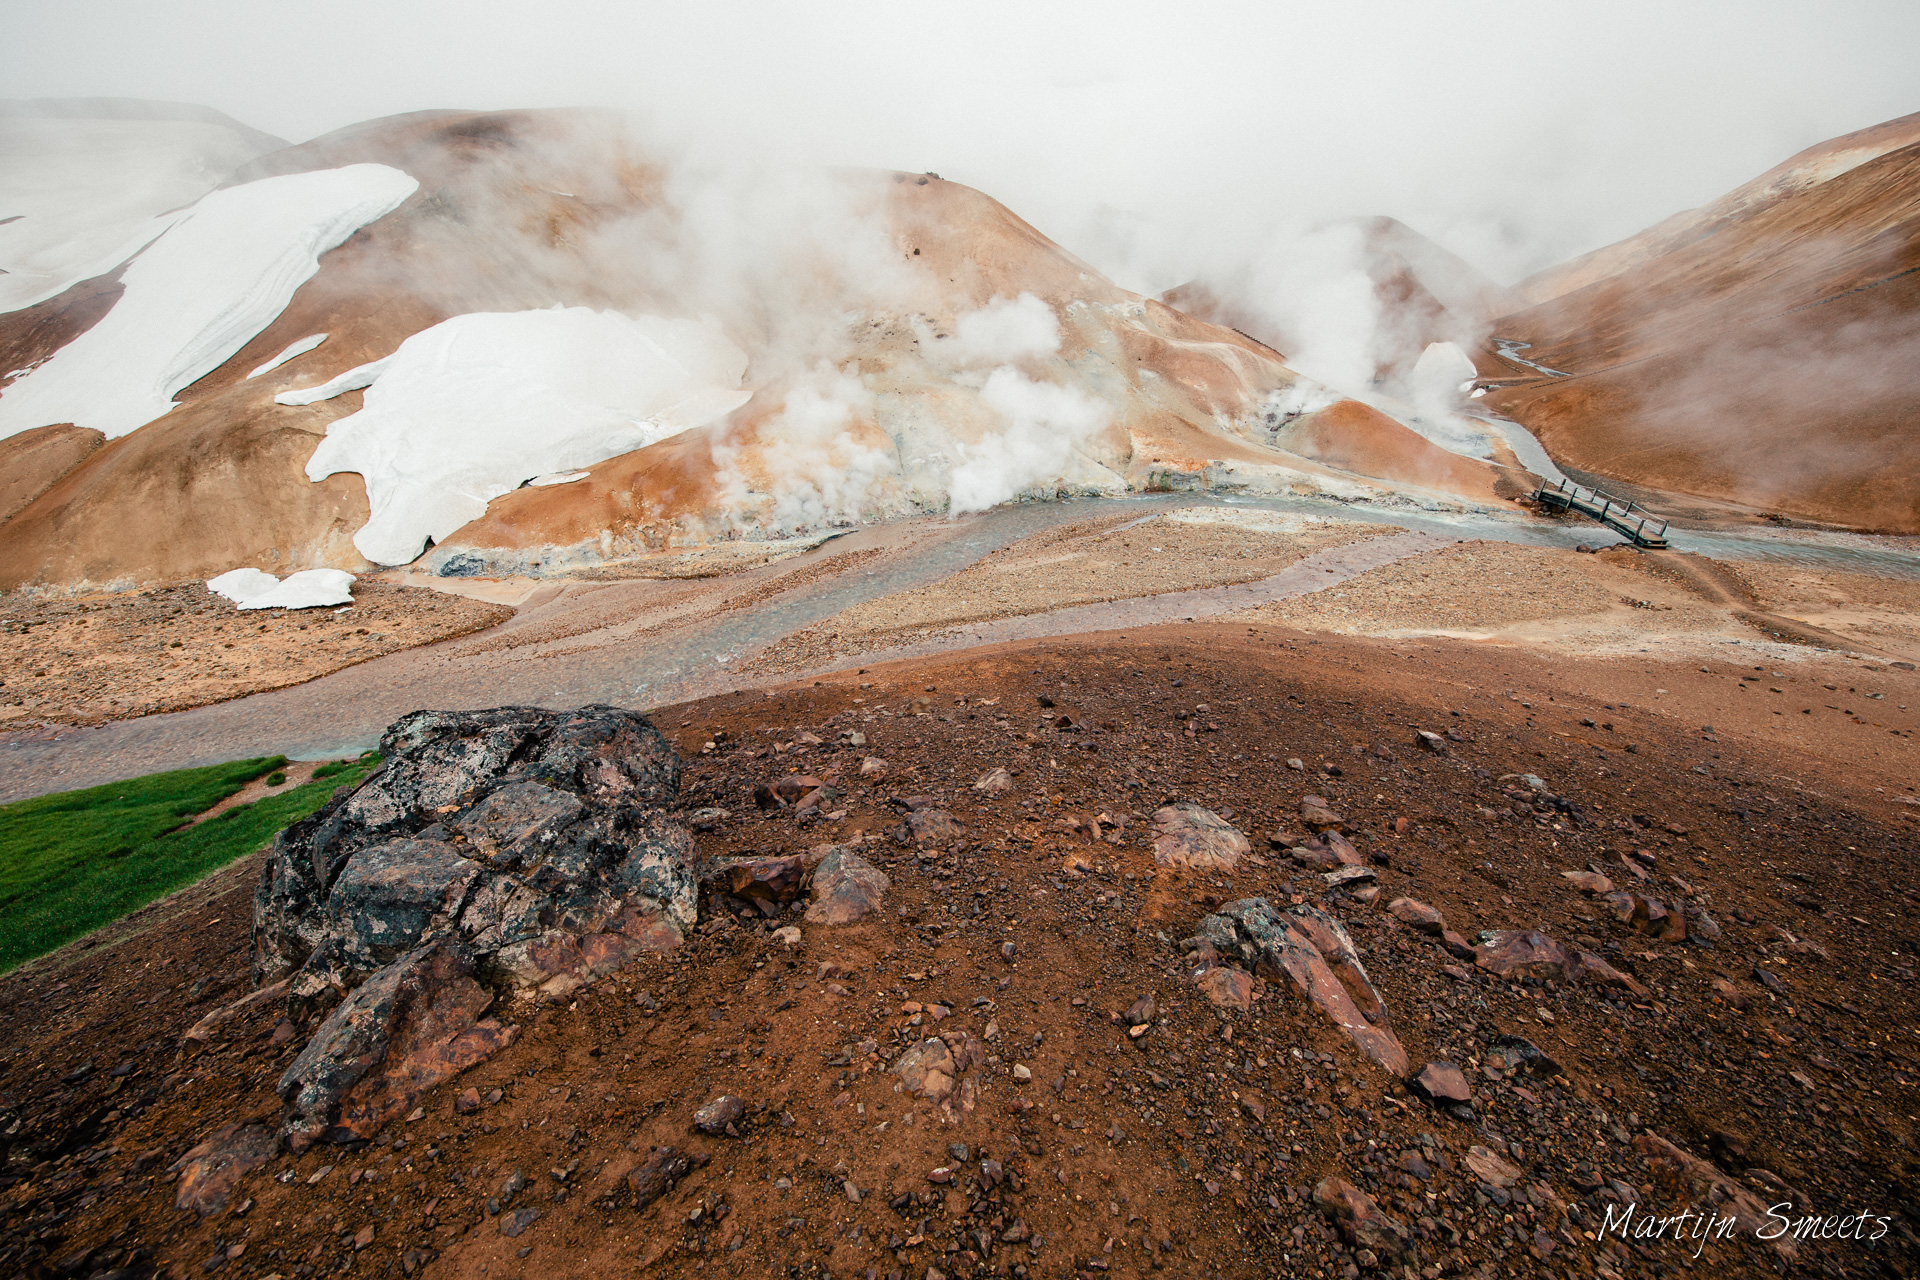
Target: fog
[1146,138]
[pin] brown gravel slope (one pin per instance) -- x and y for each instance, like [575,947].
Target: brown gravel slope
[88,659]
[1192,1151]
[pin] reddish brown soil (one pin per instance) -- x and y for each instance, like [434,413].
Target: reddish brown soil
[1193,1150]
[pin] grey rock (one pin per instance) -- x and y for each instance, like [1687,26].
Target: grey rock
[539,840]
[1190,836]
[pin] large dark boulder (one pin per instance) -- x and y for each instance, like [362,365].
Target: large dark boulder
[538,841]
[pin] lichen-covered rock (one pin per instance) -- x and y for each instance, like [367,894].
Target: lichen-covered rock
[1521,953]
[846,887]
[413,1024]
[1312,950]
[538,840]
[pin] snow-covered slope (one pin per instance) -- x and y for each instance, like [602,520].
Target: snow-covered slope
[478,405]
[200,292]
[79,195]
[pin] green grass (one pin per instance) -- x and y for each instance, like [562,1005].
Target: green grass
[72,862]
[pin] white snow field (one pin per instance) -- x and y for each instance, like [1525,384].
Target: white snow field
[473,407]
[198,294]
[84,195]
[307,589]
[299,347]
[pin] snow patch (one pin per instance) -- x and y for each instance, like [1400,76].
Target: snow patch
[558,477]
[477,405]
[307,589]
[361,375]
[293,349]
[198,294]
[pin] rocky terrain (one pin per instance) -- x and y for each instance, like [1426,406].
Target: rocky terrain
[1172,953]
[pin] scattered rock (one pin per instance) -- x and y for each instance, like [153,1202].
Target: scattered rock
[1362,1221]
[1712,1188]
[1589,881]
[1343,876]
[485,827]
[663,1167]
[1142,1011]
[1517,1053]
[1456,946]
[1312,949]
[721,1116]
[873,767]
[768,879]
[1315,813]
[1227,987]
[928,826]
[846,887]
[994,782]
[516,1221]
[1521,953]
[928,1069]
[1190,836]
[788,934]
[1491,1168]
[202,1031]
[1729,993]
[1591,968]
[466,1102]
[1431,741]
[1443,1082]
[1419,915]
[210,1171]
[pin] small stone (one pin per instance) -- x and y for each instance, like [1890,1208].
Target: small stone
[1315,812]
[1227,987]
[1344,876]
[1006,951]
[1141,1012]
[1589,881]
[1456,946]
[363,1237]
[1492,1168]
[994,782]
[1418,914]
[466,1102]
[941,1176]
[1443,1082]
[1522,953]
[789,934]
[720,1115]
[1431,741]
[1021,1071]
[872,767]
[1296,764]
[513,1223]
[1360,1219]
[1729,993]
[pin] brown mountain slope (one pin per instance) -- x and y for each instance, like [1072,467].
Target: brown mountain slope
[1774,361]
[525,210]
[1807,169]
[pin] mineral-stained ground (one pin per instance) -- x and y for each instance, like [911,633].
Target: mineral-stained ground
[1753,1047]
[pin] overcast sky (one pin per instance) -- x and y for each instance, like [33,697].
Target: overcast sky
[1516,133]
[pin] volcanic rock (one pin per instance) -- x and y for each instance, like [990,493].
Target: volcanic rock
[1492,1168]
[538,839]
[663,1167]
[1190,836]
[1362,1221]
[720,1116]
[928,1069]
[1521,953]
[1443,1082]
[770,879]
[1591,968]
[412,1025]
[928,826]
[1227,987]
[1517,1053]
[1315,813]
[209,1172]
[845,887]
[1419,915]
[1589,881]
[1312,949]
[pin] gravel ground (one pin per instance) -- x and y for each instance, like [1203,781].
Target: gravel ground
[1192,1149]
[1098,561]
[85,660]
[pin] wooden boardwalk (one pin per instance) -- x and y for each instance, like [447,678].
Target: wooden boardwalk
[1628,519]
